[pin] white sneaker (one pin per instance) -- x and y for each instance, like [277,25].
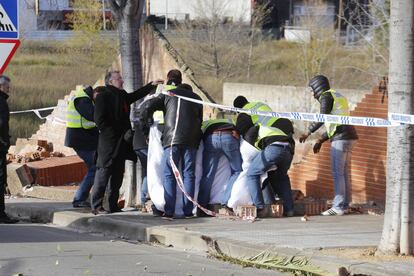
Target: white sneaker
[333,212]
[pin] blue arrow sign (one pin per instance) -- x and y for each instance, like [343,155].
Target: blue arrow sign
[9,19]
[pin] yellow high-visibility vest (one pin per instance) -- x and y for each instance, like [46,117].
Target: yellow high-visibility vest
[73,118]
[206,124]
[158,116]
[267,131]
[340,107]
[257,119]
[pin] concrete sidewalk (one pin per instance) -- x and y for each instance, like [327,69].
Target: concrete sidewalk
[237,238]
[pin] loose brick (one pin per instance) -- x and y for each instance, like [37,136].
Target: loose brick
[25,175]
[246,211]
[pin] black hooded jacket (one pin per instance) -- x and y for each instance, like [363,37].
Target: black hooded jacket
[343,132]
[4,124]
[190,118]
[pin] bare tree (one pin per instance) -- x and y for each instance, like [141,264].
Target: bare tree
[128,16]
[398,231]
[258,19]
[214,44]
[367,28]
[316,52]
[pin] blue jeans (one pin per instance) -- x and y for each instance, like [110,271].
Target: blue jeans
[85,186]
[142,155]
[341,151]
[216,145]
[184,157]
[280,156]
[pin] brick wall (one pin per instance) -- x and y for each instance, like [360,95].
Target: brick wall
[58,171]
[368,166]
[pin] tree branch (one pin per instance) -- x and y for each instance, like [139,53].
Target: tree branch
[366,40]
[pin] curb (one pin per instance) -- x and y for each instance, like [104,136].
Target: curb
[182,238]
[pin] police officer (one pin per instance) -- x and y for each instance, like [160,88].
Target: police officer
[342,137]
[82,135]
[220,138]
[276,150]
[245,121]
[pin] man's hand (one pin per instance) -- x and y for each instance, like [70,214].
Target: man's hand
[156,82]
[317,146]
[303,138]
[235,134]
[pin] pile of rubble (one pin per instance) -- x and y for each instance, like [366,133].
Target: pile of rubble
[29,150]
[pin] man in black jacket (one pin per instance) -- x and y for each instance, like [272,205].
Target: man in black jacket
[184,145]
[82,136]
[4,144]
[342,139]
[140,142]
[112,117]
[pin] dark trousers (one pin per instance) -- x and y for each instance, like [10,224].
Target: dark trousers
[113,176]
[3,181]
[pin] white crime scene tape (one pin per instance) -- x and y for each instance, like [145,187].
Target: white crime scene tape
[395,119]
[35,111]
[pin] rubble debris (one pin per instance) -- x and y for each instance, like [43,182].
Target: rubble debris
[29,150]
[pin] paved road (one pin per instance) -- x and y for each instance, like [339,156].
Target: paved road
[33,249]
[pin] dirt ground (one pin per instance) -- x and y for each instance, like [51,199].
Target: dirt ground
[367,254]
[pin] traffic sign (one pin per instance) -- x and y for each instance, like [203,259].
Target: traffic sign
[9,19]
[7,49]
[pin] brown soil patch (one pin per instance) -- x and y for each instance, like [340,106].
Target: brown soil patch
[367,254]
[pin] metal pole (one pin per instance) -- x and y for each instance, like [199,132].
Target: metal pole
[166,14]
[103,15]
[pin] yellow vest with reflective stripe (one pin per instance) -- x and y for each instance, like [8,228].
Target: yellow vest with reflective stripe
[164,87]
[73,118]
[158,116]
[257,119]
[340,107]
[206,124]
[267,131]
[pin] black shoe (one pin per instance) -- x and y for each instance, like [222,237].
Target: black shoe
[100,211]
[167,217]
[156,212]
[81,204]
[288,214]
[4,219]
[117,210]
[201,214]
[261,213]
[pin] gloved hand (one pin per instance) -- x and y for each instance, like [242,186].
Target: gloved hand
[303,138]
[317,146]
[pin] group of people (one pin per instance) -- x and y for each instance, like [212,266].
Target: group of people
[182,127]
[100,131]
